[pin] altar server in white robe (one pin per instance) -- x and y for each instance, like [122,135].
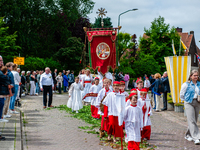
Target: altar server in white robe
[147,84]
[75,99]
[133,123]
[87,83]
[145,105]
[81,79]
[114,108]
[140,87]
[103,92]
[95,89]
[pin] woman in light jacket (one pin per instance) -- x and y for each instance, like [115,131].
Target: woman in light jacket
[17,80]
[189,94]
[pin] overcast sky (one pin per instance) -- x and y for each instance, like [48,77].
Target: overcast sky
[178,13]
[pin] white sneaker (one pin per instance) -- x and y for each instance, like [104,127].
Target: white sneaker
[7,116]
[197,142]
[14,112]
[189,138]
[3,120]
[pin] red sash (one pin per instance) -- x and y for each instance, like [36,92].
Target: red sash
[90,95]
[87,81]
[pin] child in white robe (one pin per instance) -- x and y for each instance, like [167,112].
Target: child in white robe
[145,105]
[105,91]
[87,83]
[122,89]
[95,89]
[147,84]
[140,87]
[133,123]
[75,99]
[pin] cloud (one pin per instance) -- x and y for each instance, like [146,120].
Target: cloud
[183,14]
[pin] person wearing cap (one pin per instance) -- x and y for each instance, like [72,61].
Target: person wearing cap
[133,92]
[140,87]
[147,84]
[122,89]
[133,123]
[95,89]
[114,108]
[87,83]
[102,93]
[145,104]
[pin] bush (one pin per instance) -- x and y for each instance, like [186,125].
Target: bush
[170,102]
[36,63]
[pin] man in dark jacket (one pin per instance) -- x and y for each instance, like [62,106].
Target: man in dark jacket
[27,82]
[71,78]
[166,90]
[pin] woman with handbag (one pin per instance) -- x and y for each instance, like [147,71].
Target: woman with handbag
[190,94]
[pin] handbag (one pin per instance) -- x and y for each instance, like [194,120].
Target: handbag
[198,96]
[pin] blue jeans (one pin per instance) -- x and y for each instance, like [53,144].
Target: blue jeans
[154,97]
[36,88]
[12,99]
[65,87]
[1,106]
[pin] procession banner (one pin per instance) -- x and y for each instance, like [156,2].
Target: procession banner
[178,70]
[90,95]
[102,50]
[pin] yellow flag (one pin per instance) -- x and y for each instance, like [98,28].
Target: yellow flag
[184,47]
[173,48]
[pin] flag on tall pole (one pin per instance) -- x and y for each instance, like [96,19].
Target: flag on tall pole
[173,48]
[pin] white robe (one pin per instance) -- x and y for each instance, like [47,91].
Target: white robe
[147,84]
[94,89]
[116,105]
[100,96]
[147,120]
[126,93]
[87,87]
[75,100]
[133,123]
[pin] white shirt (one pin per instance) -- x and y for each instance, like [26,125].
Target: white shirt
[138,92]
[147,83]
[46,79]
[94,89]
[17,78]
[183,90]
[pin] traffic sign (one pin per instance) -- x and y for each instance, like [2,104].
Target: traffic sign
[19,60]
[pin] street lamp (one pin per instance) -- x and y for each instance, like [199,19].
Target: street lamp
[118,29]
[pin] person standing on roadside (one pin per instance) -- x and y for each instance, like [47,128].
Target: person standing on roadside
[166,90]
[126,79]
[71,78]
[17,80]
[65,82]
[27,82]
[54,74]
[46,84]
[38,81]
[189,93]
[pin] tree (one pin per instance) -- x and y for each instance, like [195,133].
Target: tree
[43,25]
[69,56]
[107,23]
[157,42]
[8,45]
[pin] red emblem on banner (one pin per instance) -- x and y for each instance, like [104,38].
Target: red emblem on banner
[102,49]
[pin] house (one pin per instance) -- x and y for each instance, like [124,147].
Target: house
[189,40]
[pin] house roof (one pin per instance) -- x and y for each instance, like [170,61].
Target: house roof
[186,38]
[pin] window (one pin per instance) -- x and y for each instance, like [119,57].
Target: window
[195,58]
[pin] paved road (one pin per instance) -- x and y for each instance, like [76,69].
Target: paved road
[54,129]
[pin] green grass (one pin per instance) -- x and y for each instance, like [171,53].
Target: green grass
[178,104]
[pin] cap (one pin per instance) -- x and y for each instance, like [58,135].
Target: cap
[143,91]
[96,78]
[116,83]
[122,83]
[133,91]
[132,94]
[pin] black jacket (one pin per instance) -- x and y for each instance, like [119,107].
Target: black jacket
[4,82]
[23,80]
[166,84]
